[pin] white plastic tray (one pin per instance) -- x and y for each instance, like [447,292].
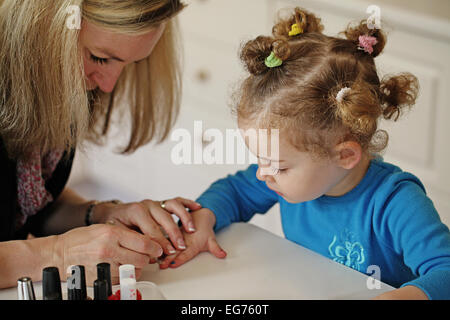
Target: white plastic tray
[148,290]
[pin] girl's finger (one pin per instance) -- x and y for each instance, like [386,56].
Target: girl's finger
[215,249]
[184,257]
[164,264]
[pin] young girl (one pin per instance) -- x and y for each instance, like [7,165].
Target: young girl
[337,197]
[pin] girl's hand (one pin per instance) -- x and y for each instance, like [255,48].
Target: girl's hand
[403,293]
[98,243]
[202,240]
[149,217]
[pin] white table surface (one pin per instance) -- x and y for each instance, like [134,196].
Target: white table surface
[259,265]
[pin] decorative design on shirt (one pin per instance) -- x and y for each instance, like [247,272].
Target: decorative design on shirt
[347,251]
[32,175]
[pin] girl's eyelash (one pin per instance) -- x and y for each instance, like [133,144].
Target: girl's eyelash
[277,171]
[98,60]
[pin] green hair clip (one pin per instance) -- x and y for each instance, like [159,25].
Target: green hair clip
[273,61]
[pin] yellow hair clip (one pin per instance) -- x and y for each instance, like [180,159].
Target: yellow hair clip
[295,30]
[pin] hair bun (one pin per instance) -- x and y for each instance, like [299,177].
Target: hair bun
[254,53]
[361,34]
[306,22]
[398,92]
[281,49]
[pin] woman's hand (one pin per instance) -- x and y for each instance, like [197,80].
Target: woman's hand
[203,239]
[97,243]
[149,217]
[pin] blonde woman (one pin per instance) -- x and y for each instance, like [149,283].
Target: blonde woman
[60,83]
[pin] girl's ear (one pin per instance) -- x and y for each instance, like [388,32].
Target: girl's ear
[348,154]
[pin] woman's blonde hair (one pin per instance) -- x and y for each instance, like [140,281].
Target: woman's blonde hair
[43,98]
[304,94]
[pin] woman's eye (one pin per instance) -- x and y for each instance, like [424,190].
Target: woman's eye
[98,60]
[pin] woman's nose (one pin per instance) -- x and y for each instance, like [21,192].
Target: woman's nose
[106,81]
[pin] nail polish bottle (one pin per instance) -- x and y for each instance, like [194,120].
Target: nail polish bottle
[128,289]
[25,290]
[51,284]
[76,284]
[104,273]
[127,271]
[100,290]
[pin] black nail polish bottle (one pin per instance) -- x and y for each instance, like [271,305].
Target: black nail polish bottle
[51,284]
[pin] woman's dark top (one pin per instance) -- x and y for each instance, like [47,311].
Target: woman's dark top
[9,206]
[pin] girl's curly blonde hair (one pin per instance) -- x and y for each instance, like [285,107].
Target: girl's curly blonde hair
[301,95]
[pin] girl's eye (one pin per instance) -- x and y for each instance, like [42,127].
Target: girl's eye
[277,171]
[98,60]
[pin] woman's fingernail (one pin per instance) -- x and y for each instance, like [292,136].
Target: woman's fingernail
[191,226]
[181,244]
[171,249]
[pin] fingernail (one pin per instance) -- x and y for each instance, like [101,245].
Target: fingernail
[191,226]
[171,249]
[181,244]
[198,204]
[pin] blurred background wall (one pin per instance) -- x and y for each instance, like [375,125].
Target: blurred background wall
[213,30]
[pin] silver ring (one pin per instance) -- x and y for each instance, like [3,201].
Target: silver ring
[163,204]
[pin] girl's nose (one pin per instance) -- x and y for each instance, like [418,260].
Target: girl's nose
[261,174]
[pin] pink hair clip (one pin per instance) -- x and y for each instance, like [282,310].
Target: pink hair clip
[366,43]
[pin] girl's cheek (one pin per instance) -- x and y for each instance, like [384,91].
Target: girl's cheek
[280,183]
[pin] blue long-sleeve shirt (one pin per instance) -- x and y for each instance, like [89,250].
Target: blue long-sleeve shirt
[386,220]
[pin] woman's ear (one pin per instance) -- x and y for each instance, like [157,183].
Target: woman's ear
[348,154]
